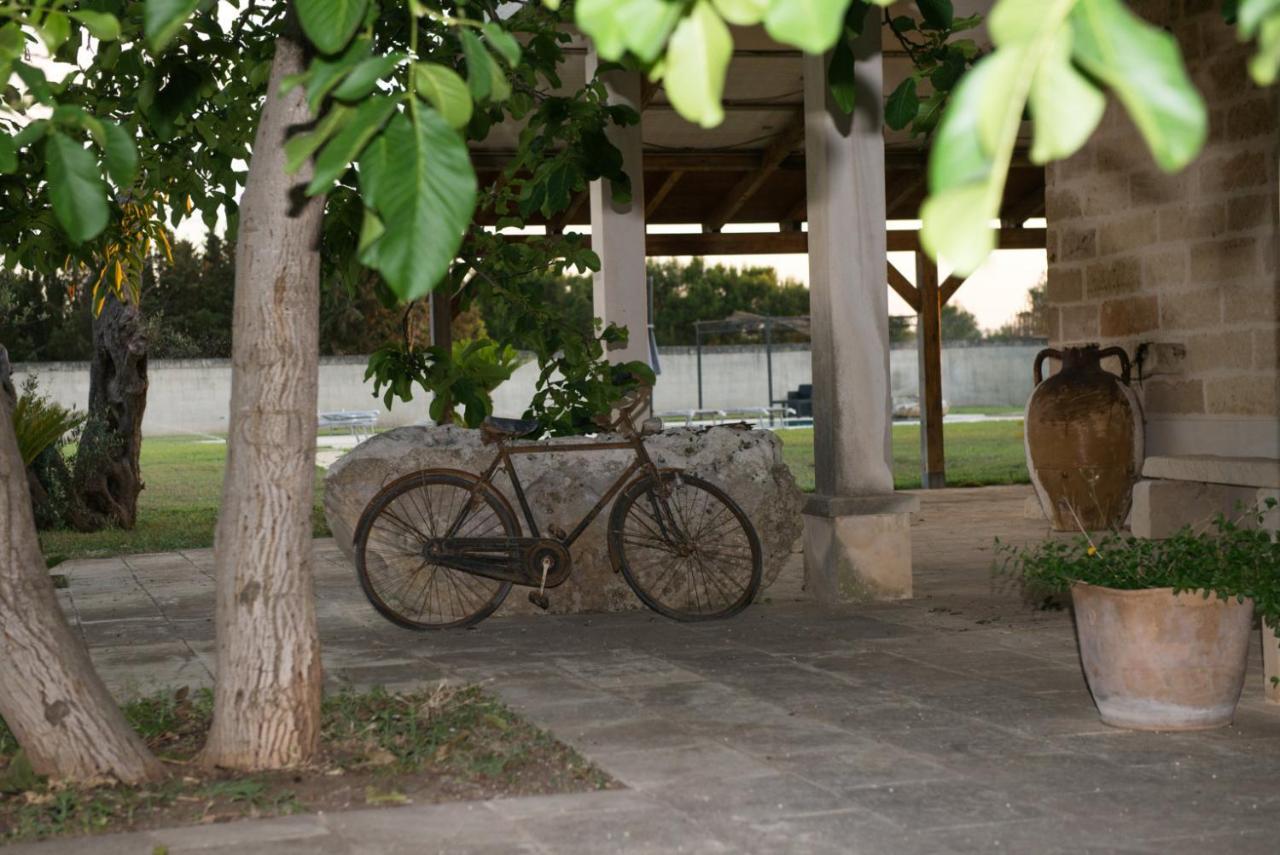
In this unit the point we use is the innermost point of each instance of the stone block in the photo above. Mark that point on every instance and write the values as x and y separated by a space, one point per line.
1077 244
1253 211
1225 259
1244 395
1113 277
1192 310
1078 323
1124 234
1128 316
1173 396
1253 118
1164 269
1218 351
1152 187
561 488
1179 222
1161 507
1251 304
1254 472
1233 171
1265 356
1065 285
857 557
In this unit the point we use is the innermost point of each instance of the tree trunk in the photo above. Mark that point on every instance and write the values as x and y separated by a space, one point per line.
267 696
51 698
107 475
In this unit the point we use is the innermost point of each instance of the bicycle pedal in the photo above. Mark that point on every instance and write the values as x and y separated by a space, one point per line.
542 601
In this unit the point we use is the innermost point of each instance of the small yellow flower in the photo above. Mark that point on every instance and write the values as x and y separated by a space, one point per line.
1093 550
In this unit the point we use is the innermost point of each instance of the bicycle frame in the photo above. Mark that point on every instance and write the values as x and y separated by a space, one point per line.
508 451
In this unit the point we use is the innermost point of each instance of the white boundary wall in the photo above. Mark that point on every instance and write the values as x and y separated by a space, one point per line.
191 396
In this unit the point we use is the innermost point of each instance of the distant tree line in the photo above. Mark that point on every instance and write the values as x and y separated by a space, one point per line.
187 306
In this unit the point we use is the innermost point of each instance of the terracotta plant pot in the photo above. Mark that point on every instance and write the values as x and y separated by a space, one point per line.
1156 660
1084 439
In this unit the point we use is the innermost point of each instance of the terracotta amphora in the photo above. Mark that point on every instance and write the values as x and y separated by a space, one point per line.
1084 439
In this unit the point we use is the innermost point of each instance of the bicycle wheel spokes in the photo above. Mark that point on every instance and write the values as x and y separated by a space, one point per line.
395 541
687 550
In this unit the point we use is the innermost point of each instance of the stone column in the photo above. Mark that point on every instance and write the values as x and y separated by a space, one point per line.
856 529
619 293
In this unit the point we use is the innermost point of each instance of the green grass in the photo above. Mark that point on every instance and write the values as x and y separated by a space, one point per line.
978 454
986 411
177 510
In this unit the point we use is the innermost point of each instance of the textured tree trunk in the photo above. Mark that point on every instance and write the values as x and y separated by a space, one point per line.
108 477
267 697
50 696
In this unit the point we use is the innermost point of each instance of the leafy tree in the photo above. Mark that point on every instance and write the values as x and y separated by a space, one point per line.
959 324
1030 322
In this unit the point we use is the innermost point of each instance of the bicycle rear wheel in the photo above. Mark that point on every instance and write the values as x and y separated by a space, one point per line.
685 547
391 545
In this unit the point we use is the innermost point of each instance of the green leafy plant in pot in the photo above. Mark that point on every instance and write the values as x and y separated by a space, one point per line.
1163 625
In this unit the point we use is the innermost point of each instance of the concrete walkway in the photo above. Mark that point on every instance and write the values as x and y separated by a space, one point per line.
956 722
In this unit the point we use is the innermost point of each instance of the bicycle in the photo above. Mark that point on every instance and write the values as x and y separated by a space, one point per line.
441 548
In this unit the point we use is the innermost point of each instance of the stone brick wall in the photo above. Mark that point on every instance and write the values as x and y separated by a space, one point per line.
1181 269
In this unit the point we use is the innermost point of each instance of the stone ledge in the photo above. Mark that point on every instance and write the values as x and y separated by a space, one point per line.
1210 469
831 507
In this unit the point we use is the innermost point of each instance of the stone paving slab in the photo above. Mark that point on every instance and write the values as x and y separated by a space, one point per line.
958 722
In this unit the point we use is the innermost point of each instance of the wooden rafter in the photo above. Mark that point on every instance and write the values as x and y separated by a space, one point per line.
906 191
1023 208
567 216
779 149
948 289
664 189
902 286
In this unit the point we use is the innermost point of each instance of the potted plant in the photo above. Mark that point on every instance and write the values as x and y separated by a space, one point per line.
1163 625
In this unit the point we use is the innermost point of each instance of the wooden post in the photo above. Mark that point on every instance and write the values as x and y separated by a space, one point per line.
929 341
442 329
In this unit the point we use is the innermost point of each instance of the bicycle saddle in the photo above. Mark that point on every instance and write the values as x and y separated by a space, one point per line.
493 429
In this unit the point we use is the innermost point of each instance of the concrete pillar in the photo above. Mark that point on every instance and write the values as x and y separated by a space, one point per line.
857 530
619 293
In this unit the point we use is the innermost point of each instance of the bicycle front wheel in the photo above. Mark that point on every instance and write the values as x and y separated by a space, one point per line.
686 548
392 548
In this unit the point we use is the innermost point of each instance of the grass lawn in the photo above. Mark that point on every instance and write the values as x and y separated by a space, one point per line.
978 454
177 510
183 475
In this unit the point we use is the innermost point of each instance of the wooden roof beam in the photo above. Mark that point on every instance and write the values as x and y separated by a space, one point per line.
664 189
902 286
781 147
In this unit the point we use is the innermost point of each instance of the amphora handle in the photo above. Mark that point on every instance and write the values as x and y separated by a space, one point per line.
1119 353
1040 358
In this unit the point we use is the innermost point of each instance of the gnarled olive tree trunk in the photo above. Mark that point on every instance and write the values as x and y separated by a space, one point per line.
51 698
267 696
107 477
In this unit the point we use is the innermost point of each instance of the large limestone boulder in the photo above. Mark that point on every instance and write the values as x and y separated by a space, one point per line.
561 488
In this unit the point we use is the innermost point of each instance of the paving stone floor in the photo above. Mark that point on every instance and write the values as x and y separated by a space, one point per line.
955 722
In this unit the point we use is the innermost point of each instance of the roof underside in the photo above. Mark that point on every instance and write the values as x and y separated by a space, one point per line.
750 169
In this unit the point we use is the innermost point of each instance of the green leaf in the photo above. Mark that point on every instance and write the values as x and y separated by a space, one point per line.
840 76
1264 66
600 20
12 42
19 776
957 156
1143 66
479 65
325 74
697 59
102 25
956 226
8 154
419 180
340 151
1250 15
330 24
445 90
742 13
162 19
75 187
54 30
119 154
499 86
302 146
811 25
902 106
365 76
502 42
1066 106
939 13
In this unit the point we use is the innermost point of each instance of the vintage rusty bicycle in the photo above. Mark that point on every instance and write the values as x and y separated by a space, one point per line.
441 548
